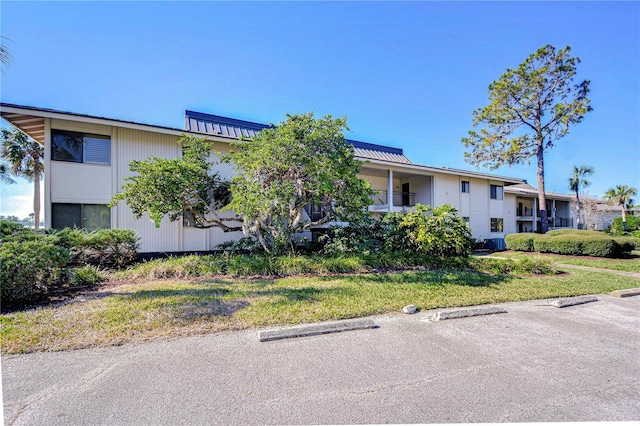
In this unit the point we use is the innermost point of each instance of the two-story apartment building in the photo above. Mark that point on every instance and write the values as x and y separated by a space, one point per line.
88 159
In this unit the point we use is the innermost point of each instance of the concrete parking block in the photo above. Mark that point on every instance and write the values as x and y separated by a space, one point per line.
468 312
626 293
315 329
572 301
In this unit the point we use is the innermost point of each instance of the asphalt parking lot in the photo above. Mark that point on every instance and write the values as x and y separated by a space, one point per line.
534 363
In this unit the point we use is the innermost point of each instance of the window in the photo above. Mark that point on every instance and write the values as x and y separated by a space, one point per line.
465 186
188 220
465 218
496 224
80 147
91 217
496 192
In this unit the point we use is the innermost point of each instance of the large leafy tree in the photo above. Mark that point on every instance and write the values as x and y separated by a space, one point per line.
621 196
24 157
577 181
531 107
177 186
303 161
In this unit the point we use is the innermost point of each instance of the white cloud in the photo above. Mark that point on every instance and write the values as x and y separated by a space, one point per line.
17 199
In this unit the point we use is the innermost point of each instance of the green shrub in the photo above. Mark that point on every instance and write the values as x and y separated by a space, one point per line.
362 237
243 245
113 247
573 242
438 231
520 242
574 232
86 275
116 247
633 224
529 265
561 244
600 246
28 268
11 231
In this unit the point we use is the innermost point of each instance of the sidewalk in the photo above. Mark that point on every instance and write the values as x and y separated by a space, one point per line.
592 269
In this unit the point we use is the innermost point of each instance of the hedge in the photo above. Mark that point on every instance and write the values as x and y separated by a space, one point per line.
572 242
520 242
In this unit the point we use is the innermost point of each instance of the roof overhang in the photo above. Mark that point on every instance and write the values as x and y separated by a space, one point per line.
428 170
31 121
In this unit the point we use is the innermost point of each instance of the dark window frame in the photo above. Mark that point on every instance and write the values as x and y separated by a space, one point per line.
465 186
81 155
82 214
496 192
497 224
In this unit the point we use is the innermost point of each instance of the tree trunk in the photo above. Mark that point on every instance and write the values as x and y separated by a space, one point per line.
577 211
624 217
36 193
542 198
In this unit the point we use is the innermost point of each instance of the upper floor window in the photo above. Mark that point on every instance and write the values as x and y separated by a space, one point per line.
497 192
80 147
465 186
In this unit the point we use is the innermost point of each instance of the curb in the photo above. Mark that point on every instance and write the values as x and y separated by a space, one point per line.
463 313
571 301
626 293
315 329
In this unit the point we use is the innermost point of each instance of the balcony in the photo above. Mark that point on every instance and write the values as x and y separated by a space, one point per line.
400 199
561 222
525 211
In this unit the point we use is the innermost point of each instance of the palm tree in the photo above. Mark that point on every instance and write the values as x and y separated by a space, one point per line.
620 196
24 157
577 181
4 174
5 55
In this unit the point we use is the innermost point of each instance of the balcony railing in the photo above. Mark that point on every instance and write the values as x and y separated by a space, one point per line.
561 222
525 211
400 199
315 211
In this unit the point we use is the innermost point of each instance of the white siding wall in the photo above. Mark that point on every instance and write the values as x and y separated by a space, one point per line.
509 209
479 209
78 182
447 190
139 145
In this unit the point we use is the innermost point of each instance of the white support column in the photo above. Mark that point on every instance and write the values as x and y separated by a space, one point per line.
553 213
47 173
535 214
390 191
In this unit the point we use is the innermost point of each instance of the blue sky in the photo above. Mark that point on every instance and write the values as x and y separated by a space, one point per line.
407 75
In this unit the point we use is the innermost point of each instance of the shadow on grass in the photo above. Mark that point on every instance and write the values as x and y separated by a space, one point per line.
428 278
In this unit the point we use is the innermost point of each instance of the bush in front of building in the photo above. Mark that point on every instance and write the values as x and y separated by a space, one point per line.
616 228
435 231
520 242
32 263
106 247
572 242
29 268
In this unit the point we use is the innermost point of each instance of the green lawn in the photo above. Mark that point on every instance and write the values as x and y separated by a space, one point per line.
167 308
629 265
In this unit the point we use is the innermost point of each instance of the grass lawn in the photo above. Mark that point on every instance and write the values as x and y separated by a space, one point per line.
157 309
630 265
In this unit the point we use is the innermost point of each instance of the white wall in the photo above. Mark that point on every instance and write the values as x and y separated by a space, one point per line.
476 204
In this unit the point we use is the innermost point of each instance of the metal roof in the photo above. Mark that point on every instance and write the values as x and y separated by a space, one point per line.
528 190
217 125
31 120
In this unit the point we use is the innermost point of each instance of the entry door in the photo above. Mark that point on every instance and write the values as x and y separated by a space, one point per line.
406 199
